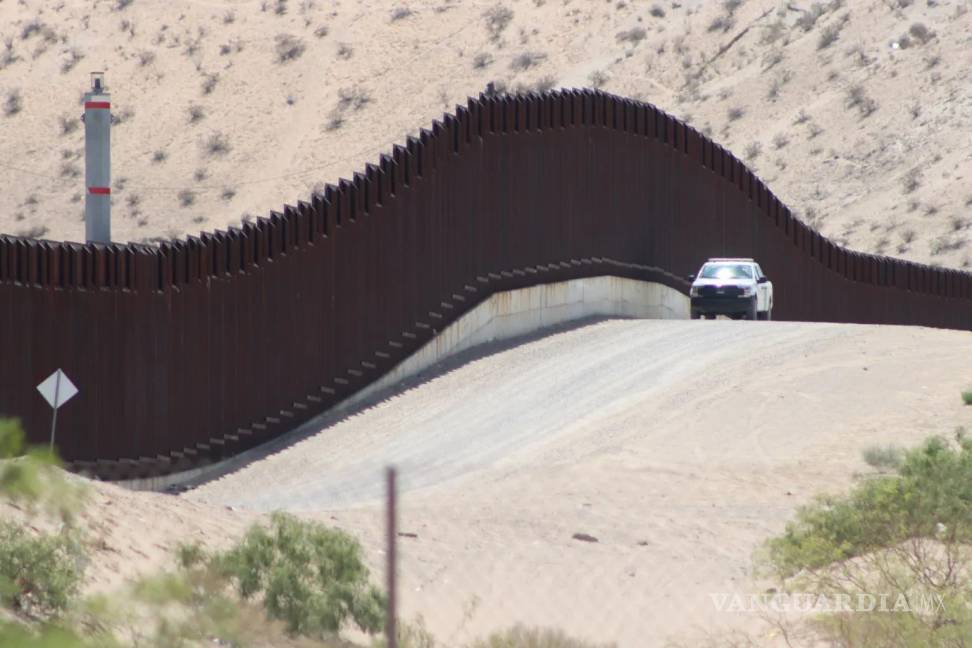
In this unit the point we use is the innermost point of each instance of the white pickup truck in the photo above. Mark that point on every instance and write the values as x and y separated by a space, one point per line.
733 287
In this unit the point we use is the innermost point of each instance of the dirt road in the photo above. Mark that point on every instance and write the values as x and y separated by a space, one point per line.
679 445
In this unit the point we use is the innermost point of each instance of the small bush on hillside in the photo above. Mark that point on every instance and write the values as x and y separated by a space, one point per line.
288 48
857 98
196 113
482 60
921 33
72 57
209 83
912 180
497 19
13 104
967 397
598 78
401 13
657 12
354 98
145 57
808 19
34 232
634 35
722 23
309 576
544 84
217 144
69 124
526 60
829 36
522 637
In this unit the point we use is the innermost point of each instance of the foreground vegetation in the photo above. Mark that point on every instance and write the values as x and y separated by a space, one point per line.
898 548
288 583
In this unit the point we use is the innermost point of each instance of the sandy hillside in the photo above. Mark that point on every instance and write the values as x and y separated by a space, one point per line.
857 112
680 446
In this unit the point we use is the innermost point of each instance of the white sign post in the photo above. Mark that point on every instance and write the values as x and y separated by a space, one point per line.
57 389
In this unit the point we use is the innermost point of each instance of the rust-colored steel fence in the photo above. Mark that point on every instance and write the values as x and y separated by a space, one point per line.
194 350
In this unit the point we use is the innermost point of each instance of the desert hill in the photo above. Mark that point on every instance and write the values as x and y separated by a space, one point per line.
858 113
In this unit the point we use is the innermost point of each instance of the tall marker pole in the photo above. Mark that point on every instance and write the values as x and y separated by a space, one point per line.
97 161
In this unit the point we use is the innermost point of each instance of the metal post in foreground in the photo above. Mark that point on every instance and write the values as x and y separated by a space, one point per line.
97 161
391 632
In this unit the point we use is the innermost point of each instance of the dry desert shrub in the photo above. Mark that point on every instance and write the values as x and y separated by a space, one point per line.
216 144
482 60
196 113
634 35
401 13
13 103
497 19
857 98
527 60
598 78
921 33
288 48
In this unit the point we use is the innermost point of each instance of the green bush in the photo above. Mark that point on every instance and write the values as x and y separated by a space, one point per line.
30 474
907 534
883 457
311 577
16 636
967 397
932 490
522 637
39 575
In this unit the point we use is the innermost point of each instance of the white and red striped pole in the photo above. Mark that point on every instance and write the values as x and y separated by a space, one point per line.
97 161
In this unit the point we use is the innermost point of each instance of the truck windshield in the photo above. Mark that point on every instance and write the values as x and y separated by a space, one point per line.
726 271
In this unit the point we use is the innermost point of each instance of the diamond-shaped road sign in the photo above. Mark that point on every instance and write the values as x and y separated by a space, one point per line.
57 389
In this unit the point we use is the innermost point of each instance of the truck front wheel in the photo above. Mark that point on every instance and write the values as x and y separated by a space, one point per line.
753 313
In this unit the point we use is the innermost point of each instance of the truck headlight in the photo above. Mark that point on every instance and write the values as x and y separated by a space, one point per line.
747 291
694 291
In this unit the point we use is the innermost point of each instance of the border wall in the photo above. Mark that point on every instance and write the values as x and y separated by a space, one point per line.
194 350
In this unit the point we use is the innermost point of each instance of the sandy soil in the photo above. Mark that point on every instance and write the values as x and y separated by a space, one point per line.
680 446
869 140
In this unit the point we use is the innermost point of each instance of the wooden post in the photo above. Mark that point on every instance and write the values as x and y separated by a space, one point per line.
391 632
